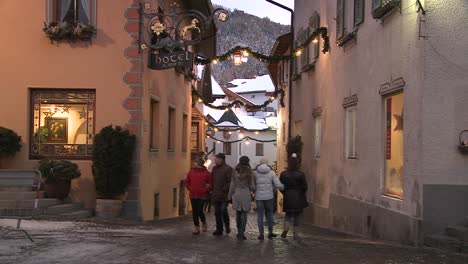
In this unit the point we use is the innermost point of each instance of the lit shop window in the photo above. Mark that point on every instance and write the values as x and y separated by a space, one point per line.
62 123
394 145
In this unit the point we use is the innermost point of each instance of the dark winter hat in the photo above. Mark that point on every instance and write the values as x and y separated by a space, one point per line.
221 156
244 160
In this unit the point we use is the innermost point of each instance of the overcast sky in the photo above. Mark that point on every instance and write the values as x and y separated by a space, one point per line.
261 8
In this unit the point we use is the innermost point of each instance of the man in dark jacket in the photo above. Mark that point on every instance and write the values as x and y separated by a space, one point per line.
221 174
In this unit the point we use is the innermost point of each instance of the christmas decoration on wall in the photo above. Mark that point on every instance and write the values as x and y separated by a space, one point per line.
246 138
196 97
320 32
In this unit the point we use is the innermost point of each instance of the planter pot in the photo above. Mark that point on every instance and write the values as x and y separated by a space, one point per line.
59 189
107 208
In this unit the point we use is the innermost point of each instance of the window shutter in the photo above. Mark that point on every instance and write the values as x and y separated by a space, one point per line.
376 4
314 23
305 52
358 12
340 19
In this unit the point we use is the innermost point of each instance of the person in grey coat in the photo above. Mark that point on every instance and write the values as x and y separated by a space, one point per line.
241 193
265 182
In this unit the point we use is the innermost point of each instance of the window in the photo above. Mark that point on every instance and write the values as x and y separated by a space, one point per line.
227 148
350 135
382 7
240 148
62 123
259 149
194 146
154 127
184 132
71 11
318 135
174 197
394 145
156 205
171 130
314 24
346 24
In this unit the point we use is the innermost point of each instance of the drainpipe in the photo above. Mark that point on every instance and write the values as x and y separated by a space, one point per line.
290 63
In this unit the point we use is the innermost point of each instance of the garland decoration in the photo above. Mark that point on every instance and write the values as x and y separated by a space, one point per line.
320 32
216 129
248 138
196 97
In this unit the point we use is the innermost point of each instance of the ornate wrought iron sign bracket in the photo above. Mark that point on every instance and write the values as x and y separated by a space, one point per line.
167 36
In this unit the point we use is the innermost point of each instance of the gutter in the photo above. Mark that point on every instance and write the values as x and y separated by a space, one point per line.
290 63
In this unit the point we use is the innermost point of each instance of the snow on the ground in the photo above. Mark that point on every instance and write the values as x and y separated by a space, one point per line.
37 225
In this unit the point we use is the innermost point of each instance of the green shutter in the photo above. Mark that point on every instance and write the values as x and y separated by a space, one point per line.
358 12
340 19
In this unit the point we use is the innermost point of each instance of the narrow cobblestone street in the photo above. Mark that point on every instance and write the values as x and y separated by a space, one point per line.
170 241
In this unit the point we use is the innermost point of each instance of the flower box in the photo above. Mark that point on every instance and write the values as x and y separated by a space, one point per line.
69 32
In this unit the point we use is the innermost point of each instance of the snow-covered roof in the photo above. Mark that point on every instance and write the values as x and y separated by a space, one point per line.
215 88
247 122
259 84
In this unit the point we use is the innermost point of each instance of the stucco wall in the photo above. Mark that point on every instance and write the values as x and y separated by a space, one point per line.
445 93
29 60
382 52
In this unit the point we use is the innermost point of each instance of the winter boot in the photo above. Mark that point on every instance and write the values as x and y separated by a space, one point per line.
196 230
204 227
285 229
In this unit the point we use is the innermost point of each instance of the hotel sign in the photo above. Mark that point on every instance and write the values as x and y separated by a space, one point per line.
163 60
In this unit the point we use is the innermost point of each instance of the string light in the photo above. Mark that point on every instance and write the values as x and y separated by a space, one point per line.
216 129
215 61
256 132
315 40
247 142
200 100
272 98
298 52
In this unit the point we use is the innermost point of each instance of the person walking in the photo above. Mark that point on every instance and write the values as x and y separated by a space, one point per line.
265 182
199 183
241 192
222 174
294 200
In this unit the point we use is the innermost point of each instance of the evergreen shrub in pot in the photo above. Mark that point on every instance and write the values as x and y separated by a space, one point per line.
112 168
10 142
57 175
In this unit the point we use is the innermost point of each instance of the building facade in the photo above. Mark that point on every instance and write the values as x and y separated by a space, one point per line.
57 94
380 115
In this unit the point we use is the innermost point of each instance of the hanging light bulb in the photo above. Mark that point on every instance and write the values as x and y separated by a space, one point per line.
215 61
315 40
256 132
298 52
247 142
241 135
200 100
216 129
218 142
230 133
272 98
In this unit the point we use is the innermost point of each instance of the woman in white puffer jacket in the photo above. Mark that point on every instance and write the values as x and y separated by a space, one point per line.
265 180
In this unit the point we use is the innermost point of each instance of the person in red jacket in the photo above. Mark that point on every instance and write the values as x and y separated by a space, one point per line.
199 184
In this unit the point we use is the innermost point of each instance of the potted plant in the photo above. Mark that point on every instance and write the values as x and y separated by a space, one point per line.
10 142
57 175
112 168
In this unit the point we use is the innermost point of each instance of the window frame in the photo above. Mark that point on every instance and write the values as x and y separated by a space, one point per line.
317 135
185 132
36 149
350 140
171 129
227 148
259 152
154 125
52 12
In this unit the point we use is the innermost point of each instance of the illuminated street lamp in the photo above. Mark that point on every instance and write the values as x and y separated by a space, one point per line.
237 57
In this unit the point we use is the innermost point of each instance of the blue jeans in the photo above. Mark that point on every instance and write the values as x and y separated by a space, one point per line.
221 214
262 207
292 216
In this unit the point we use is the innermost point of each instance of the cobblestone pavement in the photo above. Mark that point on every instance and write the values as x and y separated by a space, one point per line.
170 241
